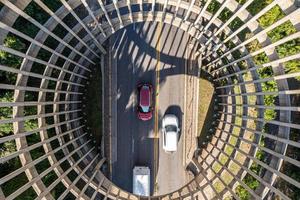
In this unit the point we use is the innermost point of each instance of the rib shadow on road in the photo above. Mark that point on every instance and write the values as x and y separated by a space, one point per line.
135 52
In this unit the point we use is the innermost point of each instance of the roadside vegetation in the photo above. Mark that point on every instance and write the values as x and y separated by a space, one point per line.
93 97
205 110
286 49
8 147
93 106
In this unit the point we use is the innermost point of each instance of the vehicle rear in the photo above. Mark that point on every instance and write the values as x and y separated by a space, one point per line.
170 142
141 181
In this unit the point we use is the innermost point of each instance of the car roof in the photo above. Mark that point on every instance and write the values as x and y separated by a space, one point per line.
171 141
145 96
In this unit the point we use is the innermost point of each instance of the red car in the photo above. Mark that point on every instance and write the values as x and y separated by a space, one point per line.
145 108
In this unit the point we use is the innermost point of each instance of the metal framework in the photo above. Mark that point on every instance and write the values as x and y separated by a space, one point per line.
240 131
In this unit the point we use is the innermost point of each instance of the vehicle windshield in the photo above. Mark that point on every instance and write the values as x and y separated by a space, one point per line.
145 109
171 128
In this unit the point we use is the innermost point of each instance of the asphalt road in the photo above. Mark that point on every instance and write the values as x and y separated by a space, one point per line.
141 55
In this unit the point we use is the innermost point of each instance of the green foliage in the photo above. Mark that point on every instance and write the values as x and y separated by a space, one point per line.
33 123
9 166
29 194
31 30
9 59
258 5
229 198
53 4
242 193
289 48
251 182
271 17
49 178
293 66
291 170
13 61
213 7
253 46
230 44
6 129
255 167
58 190
281 31
235 24
269 100
268 86
13 184
269 114
261 59
265 72
225 14
36 12
7 148
44 55
14 43
5 113
33 139
241 1
37 152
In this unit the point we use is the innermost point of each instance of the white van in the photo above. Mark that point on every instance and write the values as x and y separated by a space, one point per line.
141 181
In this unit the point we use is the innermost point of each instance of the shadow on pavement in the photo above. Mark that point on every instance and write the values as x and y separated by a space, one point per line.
135 59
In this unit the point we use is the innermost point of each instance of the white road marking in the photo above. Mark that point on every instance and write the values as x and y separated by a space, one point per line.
134 102
132 149
131 101
184 109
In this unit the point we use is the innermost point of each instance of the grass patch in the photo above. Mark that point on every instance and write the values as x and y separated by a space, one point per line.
205 113
219 186
216 167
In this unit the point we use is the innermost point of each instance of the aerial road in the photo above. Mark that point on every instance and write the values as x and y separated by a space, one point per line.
153 53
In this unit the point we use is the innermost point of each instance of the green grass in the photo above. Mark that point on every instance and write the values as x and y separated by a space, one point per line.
216 167
219 186
205 113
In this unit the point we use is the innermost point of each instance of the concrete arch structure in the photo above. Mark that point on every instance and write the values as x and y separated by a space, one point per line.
240 91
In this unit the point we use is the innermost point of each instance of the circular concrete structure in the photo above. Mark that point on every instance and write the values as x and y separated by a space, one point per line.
256 129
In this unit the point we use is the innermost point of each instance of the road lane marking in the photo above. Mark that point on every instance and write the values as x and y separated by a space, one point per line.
184 106
132 145
110 110
156 129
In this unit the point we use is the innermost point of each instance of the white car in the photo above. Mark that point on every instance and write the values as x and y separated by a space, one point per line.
170 131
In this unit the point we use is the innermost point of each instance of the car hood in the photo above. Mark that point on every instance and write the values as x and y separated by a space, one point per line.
171 141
